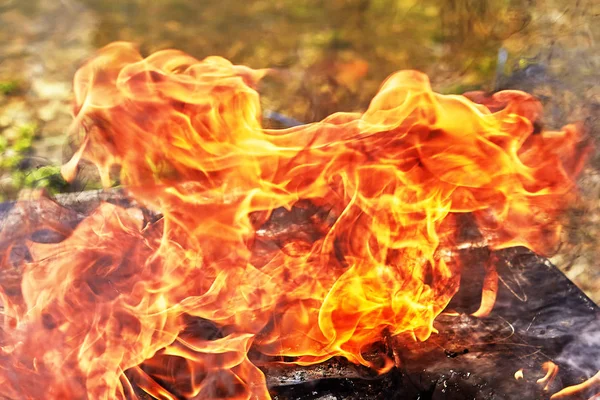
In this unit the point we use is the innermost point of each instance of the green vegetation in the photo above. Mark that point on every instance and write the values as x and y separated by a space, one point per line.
13 164
12 154
48 177
9 87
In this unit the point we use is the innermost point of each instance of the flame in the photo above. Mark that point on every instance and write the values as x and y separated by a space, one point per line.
519 374
490 289
551 371
576 391
113 304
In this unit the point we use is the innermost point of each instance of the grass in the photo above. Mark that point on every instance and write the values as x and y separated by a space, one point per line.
9 87
13 157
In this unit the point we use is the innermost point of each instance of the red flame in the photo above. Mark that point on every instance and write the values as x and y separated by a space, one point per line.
187 135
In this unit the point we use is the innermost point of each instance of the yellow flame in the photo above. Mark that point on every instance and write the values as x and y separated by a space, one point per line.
519 374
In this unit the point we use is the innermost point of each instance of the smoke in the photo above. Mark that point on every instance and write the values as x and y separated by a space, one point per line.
582 354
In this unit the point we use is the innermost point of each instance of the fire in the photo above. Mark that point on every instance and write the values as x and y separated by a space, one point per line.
519 374
551 372
112 304
592 384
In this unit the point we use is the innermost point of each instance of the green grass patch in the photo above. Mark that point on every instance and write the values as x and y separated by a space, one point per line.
48 177
9 87
12 156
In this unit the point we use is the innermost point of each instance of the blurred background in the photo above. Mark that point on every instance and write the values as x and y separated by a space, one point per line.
335 53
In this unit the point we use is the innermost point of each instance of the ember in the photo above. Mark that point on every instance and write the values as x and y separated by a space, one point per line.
190 303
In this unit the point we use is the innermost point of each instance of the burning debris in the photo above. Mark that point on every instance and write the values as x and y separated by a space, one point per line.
268 247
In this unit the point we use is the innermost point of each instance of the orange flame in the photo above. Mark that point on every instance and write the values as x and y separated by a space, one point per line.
575 391
551 371
108 306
